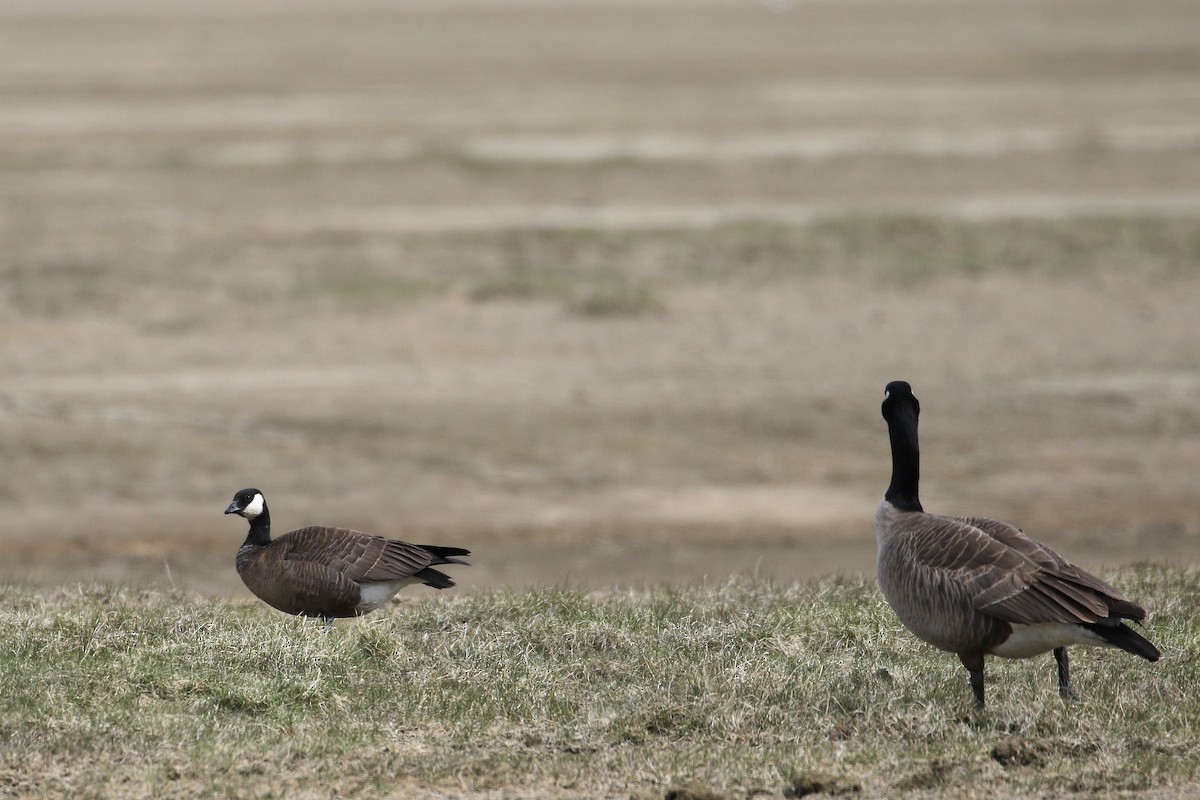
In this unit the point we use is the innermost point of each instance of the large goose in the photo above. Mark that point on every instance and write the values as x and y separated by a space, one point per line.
978 587
330 572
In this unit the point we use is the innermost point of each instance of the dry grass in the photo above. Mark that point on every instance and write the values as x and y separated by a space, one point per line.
736 689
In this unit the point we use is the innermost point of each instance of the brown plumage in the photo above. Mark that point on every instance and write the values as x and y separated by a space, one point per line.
330 572
977 587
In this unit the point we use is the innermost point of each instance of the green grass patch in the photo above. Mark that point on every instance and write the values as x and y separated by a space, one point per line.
631 272
740 687
360 286
519 281
617 298
590 272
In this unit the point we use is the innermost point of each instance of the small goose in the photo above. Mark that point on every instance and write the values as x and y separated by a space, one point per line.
330 572
978 587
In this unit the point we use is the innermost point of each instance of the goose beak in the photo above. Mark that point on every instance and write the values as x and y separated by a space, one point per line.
233 508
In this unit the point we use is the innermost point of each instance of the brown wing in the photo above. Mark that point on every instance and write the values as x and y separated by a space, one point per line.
1083 596
318 588
1015 578
1015 538
357 556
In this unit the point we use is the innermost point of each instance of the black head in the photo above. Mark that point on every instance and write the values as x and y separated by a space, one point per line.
249 503
896 395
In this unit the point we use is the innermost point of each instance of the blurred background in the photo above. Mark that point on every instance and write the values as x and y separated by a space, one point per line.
606 291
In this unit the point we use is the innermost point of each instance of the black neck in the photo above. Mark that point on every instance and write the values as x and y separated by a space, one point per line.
906 459
260 529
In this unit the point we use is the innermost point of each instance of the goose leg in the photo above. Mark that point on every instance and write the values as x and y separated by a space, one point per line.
974 664
1064 674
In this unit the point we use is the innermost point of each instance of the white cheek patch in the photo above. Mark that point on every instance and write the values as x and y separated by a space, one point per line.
253 508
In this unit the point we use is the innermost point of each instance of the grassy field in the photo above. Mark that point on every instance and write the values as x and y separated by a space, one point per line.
606 292
739 689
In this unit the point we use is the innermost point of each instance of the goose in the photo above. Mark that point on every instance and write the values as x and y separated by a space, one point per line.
330 572
977 587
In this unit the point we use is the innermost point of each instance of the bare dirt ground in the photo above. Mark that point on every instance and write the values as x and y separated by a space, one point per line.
606 292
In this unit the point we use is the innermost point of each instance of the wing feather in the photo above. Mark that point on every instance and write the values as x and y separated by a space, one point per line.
1012 577
356 555
317 585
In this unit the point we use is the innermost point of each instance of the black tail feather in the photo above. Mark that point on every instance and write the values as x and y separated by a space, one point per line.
441 555
1125 638
444 555
434 578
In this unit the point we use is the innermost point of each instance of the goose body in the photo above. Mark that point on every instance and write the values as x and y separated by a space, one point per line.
974 586
330 572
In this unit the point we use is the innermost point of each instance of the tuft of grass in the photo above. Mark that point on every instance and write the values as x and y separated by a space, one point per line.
733 689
